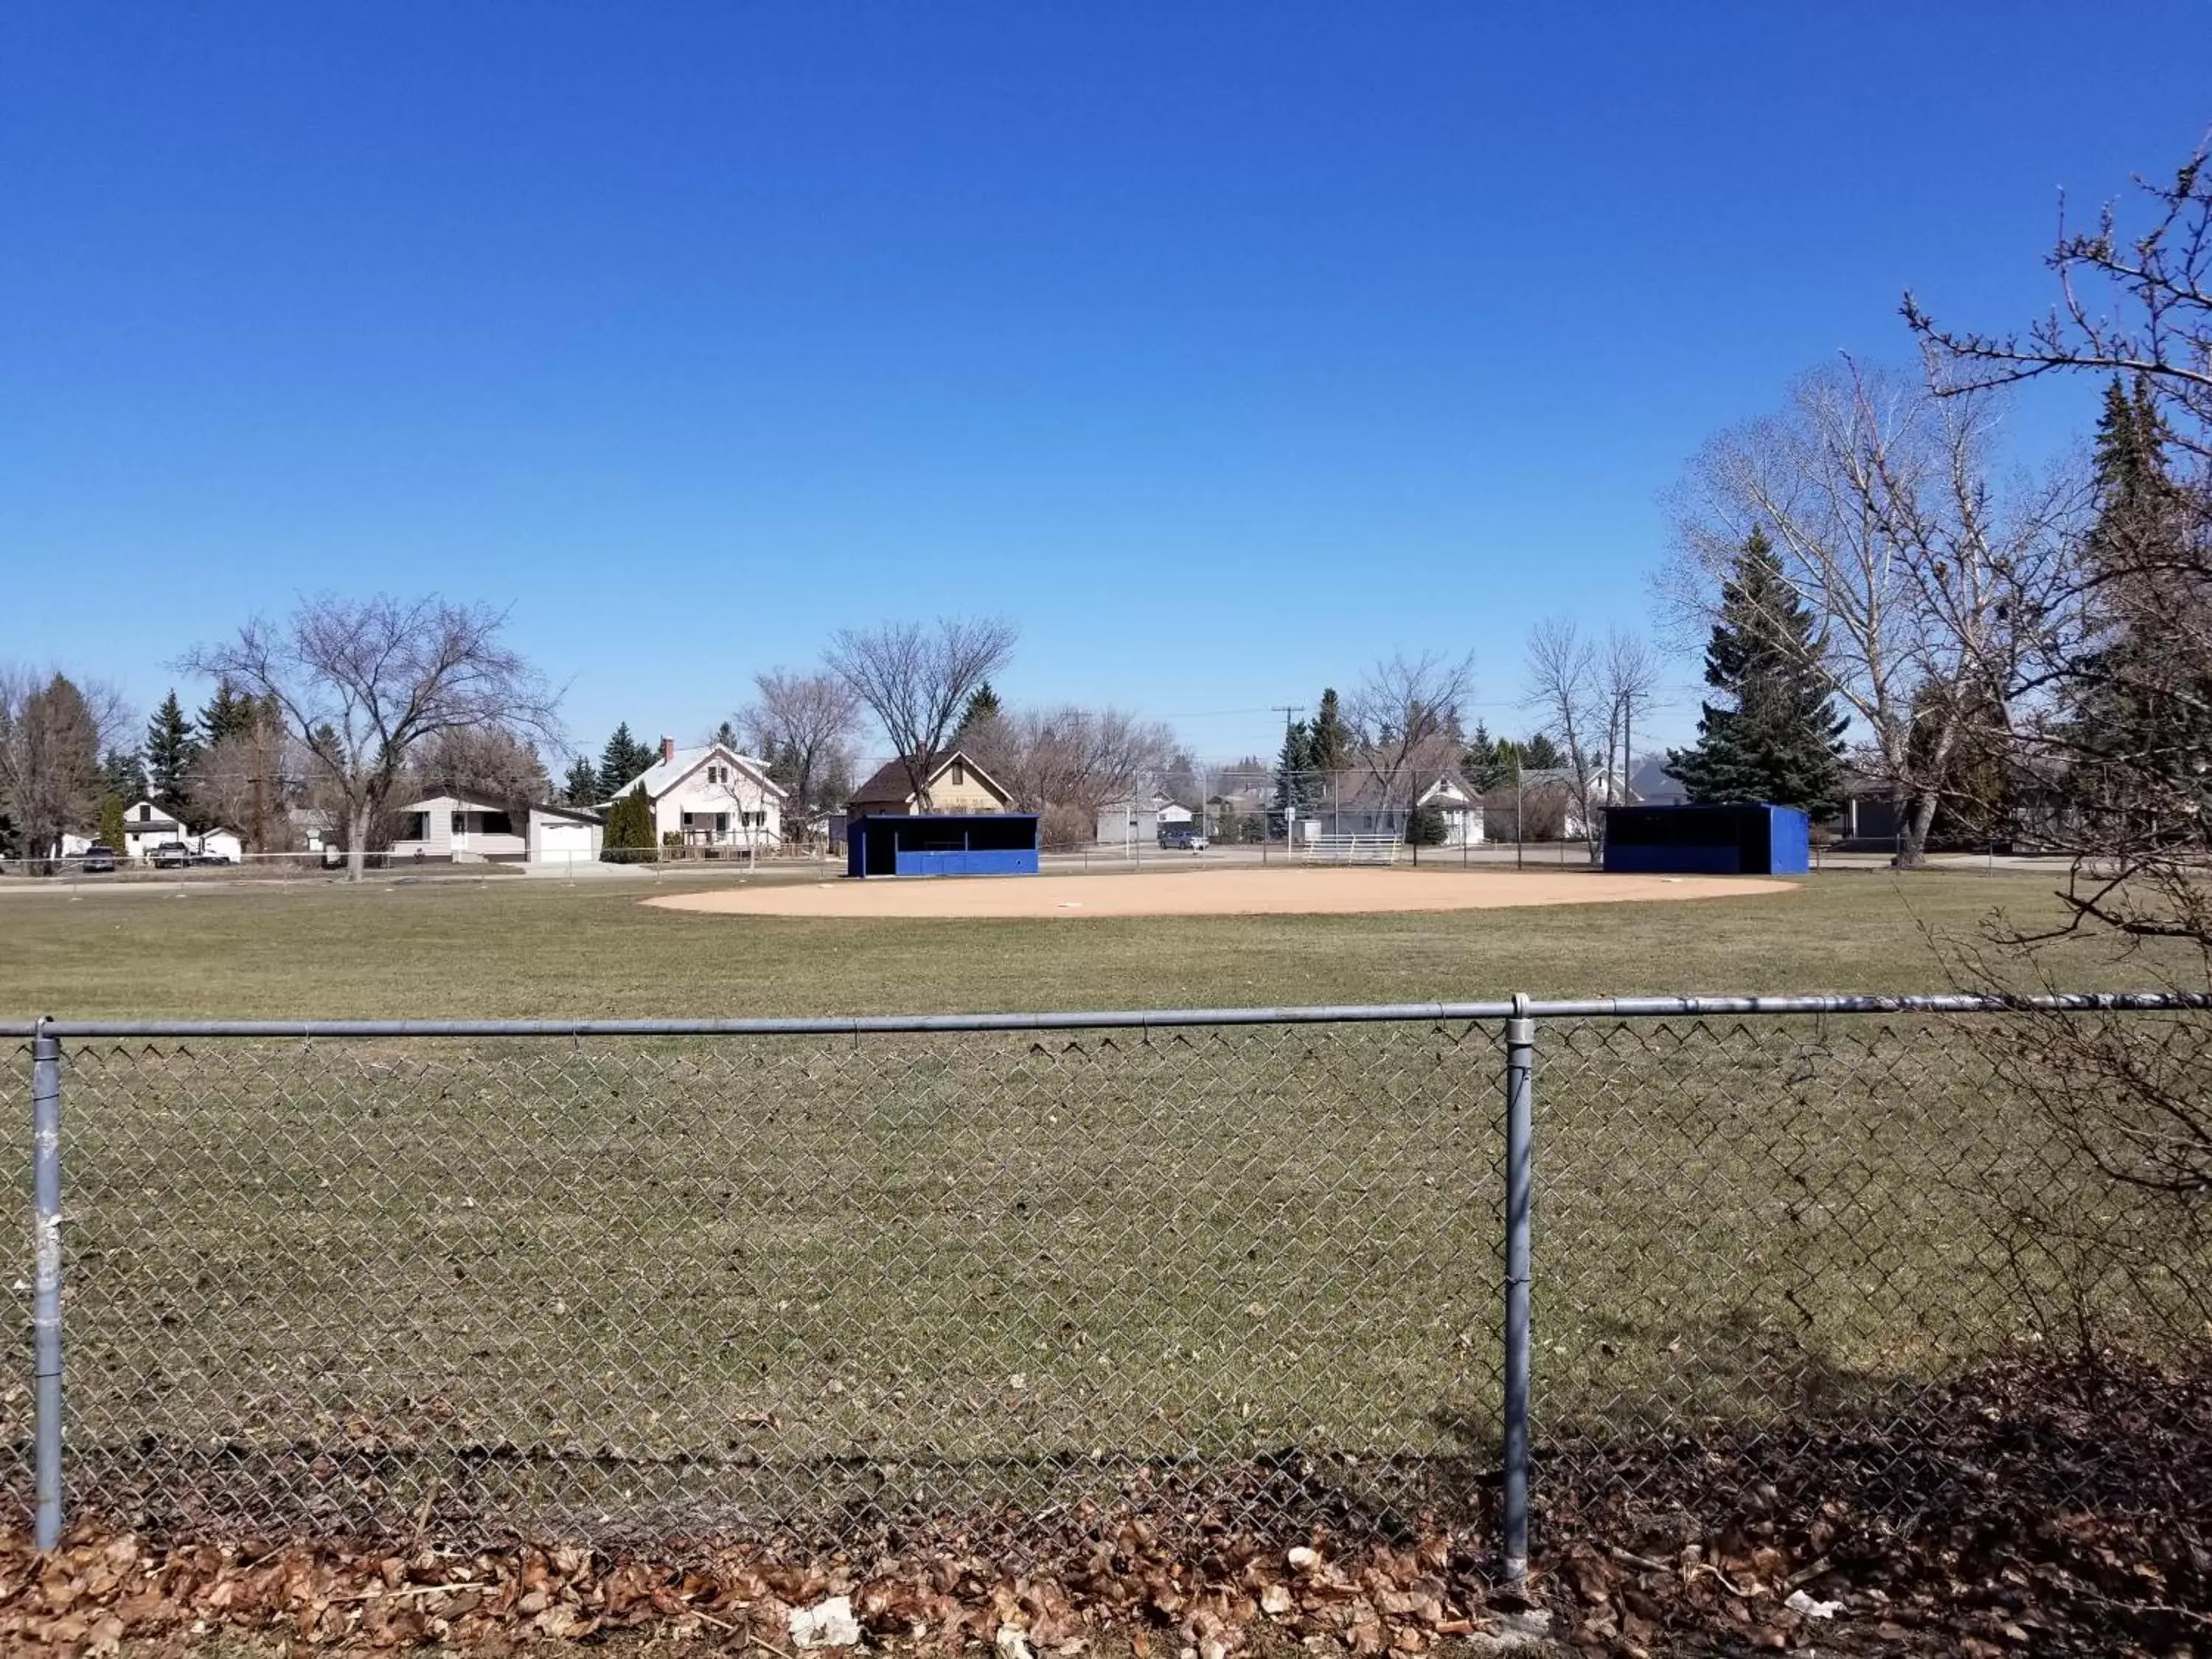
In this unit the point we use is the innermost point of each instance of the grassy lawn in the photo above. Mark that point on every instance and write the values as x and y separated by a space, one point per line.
650 1287
540 949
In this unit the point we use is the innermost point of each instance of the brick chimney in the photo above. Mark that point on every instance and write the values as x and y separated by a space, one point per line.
668 752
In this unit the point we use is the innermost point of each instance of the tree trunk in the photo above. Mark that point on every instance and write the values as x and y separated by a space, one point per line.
356 841
1912 832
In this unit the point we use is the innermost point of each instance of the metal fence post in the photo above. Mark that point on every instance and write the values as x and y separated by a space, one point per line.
1520 1183
46 1309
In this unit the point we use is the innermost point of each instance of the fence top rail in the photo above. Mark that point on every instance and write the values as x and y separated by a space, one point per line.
1646 1007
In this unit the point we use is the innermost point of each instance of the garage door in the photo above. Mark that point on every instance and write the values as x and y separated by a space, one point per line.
557 842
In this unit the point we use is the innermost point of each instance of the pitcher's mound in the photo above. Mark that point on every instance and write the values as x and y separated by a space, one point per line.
1299 891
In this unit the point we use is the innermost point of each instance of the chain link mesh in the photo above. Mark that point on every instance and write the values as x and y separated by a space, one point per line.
1800 1229
667 1288
706 1287
16 1404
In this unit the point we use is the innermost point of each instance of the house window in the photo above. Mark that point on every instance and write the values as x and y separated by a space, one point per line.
958 775
460 824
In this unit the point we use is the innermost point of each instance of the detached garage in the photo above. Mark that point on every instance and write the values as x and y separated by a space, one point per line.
563 835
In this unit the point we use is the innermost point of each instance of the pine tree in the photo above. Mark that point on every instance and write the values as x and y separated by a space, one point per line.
1294 782
120 775
1328 743
1489 762
1540 754
171 754
2137 701
1781 741
1425 826
983 708
226 715
582 787
628 837
623 759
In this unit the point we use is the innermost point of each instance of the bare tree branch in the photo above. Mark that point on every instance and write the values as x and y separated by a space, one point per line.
361 684
916 680
809 718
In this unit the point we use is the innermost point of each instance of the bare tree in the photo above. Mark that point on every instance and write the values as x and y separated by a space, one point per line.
2111 731
2132 305
1629 682
52 731
1067 762
808 721
1877 495
916 681
484 764
1567 688
248 776
360 684
1408 713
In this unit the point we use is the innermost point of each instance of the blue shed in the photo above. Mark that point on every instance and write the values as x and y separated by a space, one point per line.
1747 839
943 844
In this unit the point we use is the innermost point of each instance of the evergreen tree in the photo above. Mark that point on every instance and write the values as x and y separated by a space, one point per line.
726 735
983 708
111 823
582 787
1295 780
1781 741
120 775
630 837
1539 754
226 715
2136 700
623 759
1489 762
1328 743
1425 827
171 754
783 765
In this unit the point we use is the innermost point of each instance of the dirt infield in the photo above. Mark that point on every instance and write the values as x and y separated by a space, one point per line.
1284 892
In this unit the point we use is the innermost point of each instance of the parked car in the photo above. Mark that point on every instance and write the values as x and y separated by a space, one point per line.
98 860
210 858
169 855
1182 838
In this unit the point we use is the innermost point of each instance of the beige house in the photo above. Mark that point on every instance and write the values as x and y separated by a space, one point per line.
956 784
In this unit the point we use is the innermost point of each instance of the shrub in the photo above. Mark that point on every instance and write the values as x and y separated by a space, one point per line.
630 837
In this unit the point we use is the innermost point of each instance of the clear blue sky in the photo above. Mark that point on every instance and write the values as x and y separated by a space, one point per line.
1224 347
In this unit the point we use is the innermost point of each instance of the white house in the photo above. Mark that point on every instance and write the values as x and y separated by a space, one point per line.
226 844
1129 819
711 796
1361 807
145 826
468 831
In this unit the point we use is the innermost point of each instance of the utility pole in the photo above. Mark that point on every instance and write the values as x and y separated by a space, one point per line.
1288 711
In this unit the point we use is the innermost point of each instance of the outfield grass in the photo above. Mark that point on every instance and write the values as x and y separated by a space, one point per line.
535 949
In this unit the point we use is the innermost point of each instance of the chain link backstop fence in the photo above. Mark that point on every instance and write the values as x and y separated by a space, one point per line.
668 1280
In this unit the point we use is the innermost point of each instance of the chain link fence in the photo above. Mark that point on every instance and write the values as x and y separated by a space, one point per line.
816 1279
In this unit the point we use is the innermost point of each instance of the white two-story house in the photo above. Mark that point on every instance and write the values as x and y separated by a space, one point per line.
711 796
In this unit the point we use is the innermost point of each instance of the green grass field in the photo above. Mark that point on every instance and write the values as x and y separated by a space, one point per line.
533 949
655 1286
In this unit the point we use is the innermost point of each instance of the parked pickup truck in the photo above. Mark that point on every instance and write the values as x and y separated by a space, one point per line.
169 855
